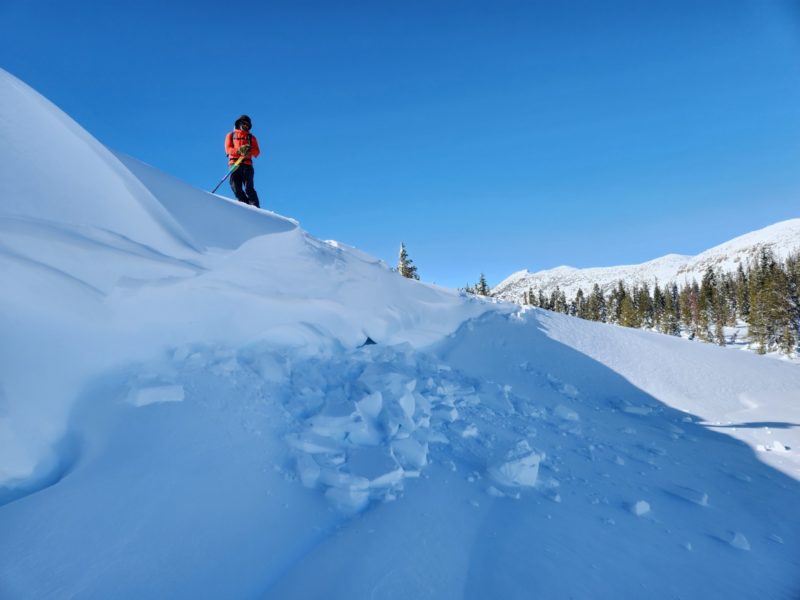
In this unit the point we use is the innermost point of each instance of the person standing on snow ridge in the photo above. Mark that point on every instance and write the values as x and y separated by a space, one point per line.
240 142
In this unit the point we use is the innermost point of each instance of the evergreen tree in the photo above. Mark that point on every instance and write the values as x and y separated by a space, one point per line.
741 293
580 308
644 307
628 315
712 315
406 266
596 305
659 306
482 288
615 299
670 322
542 300
533 301
676 305
558 300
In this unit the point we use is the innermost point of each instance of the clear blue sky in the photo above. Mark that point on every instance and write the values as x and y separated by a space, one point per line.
488 136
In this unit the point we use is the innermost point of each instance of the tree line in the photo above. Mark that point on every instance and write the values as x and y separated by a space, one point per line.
764 295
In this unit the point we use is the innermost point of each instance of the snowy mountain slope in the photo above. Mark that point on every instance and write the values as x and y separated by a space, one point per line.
95 279
782 238
185 412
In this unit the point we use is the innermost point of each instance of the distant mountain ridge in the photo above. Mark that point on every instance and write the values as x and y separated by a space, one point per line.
782 238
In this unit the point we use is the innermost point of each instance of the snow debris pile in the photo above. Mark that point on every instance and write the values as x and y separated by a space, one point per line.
370 419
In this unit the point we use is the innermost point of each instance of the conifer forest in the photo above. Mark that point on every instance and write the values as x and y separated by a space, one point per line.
762 296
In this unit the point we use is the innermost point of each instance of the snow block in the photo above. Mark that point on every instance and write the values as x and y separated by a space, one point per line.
410 453
565 413
308 470
640 508
688 494
156 395
369 407
521 469
736 539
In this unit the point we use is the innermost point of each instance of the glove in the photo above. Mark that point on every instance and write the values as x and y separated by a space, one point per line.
243 150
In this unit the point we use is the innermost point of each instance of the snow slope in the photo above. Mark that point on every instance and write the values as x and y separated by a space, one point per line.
782 238
187 410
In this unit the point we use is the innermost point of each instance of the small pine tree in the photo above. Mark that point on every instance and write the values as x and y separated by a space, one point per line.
406 266
482 288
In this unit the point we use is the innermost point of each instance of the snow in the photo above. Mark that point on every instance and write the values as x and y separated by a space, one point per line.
782 238
187 410
640 508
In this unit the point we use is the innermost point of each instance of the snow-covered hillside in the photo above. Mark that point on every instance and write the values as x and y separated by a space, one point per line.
187 410
782 238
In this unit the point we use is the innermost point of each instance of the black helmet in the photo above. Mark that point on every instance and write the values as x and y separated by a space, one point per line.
243 119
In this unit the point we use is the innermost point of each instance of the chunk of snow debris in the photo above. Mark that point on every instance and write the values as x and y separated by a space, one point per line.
470 400
369 407
331 427
566 413
520 469
774 446
269 367
376 465
639 508
638 410
410 453
688 494
311 443
347 500
620 461
776 538
408 404
736 539
336 478
493 491
363 433
307 470
688 546
157 395
470 431
437 437
390 479
446 414
569 390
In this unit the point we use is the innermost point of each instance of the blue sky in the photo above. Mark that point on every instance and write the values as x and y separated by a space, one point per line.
488 136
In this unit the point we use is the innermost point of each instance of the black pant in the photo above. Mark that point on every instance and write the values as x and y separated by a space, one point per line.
243 178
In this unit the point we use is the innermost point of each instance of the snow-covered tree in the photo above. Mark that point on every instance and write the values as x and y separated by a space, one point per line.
406 266
482 288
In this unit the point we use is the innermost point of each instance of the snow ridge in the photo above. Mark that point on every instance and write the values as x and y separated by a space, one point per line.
781 238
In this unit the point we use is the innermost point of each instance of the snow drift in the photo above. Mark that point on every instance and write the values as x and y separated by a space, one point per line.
187 410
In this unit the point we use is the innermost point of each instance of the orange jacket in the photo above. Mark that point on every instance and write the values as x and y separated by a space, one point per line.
235 140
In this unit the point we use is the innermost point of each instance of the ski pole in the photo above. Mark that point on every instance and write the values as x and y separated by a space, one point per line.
234 166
